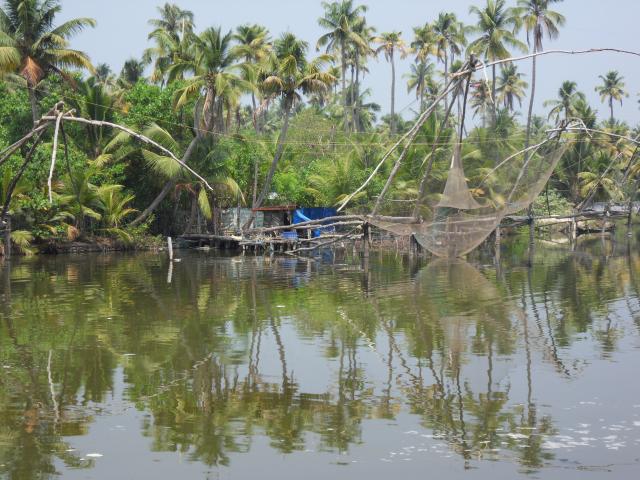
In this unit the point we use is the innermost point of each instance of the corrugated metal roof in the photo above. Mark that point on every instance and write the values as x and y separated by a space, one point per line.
276 208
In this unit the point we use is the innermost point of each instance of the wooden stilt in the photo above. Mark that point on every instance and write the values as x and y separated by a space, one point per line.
365 241
7 237
170 248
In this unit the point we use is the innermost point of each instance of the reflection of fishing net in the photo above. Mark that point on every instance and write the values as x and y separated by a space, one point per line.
463 218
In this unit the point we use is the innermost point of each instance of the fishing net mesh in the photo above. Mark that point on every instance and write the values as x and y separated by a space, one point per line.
464 216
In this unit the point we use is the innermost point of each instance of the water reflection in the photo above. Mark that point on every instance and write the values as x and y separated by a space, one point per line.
310 355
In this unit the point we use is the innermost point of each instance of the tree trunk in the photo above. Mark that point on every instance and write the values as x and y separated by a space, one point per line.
209 109
530 114
344 86
165 190
356 95
393 94
611 108
446 79
274 164
493 95
253 113
531 100
35 110
192 214
255 180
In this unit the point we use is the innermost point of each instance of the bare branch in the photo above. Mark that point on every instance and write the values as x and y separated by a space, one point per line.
139 137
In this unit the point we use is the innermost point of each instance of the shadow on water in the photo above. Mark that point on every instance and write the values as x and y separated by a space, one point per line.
309 354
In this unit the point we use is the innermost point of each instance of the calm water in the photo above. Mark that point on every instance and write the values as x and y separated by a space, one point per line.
251 367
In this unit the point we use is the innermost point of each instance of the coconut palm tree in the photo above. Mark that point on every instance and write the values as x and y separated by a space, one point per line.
213 67
104 74
481 100
511 86
254 46
612 88
390 44
288 76
360 52
33 46
424 43
450 36
495 27
424 46
365 110
565 105
339 19
539 22
93 100
418 78
171 33
132 71
173 20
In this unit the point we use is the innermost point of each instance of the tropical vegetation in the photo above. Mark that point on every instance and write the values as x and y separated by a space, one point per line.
268 118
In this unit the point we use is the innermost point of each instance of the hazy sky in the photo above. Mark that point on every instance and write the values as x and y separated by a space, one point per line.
122 33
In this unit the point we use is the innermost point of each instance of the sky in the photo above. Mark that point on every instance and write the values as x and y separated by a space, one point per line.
122 32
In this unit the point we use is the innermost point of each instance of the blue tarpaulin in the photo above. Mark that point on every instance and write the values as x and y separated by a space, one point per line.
315 213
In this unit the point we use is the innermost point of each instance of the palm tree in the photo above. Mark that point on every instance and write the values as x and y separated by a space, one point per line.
612 88
95 102
213 68
288 77
171 33
254 46
539 21
132 71
424 46
495 26
511 86
340 18
390 43
424 43
31 45
418 78
360 51
103 73
450 38
481 100
565 105
173 20
365 111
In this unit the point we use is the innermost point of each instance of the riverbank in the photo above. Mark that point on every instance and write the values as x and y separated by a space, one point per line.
85 245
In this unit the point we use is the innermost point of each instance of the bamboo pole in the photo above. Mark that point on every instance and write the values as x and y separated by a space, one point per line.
137 136
313 223
170 248
54 154
475 68
7 236
349 236
418 124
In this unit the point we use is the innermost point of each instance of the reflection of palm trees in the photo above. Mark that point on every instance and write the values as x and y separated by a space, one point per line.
207 393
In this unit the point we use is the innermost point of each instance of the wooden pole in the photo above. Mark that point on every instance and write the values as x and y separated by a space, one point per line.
170 248
7 237
365 241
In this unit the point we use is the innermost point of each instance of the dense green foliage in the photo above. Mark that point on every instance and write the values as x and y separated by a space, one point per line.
263 121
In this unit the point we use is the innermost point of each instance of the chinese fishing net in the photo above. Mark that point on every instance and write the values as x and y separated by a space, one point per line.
464 217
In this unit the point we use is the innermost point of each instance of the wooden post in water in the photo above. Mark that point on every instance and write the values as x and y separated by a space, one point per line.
365 241
170 248
497 245
7 236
